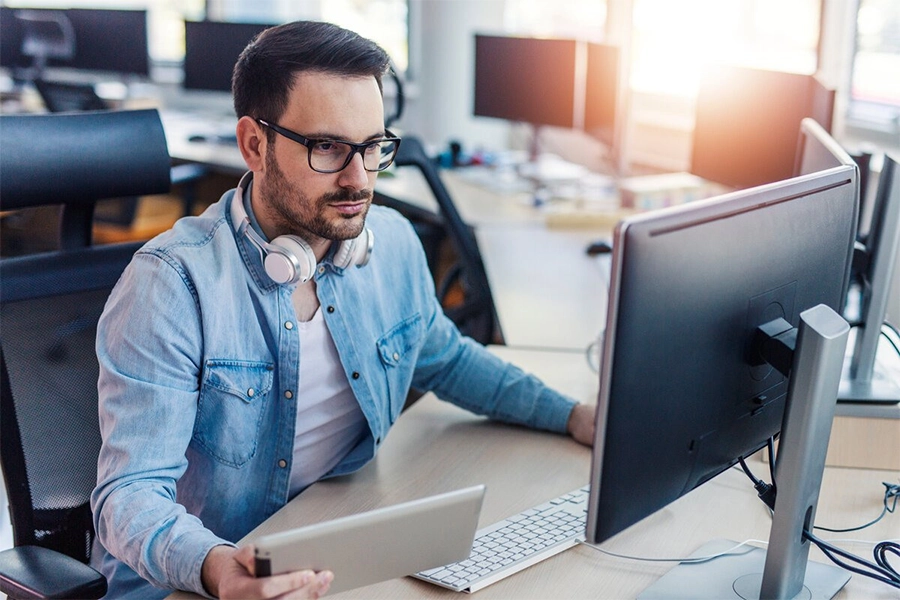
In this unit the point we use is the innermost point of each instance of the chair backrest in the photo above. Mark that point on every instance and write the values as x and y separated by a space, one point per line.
64 96
80 158
476 316
49 306
49 433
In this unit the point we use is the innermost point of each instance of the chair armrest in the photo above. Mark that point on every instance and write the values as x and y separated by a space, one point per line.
34 572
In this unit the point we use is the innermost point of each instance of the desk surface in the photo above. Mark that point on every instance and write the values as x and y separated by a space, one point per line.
436 447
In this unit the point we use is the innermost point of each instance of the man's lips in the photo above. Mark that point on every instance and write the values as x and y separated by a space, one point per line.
348 208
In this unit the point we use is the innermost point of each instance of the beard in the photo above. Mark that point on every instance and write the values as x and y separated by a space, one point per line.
295 213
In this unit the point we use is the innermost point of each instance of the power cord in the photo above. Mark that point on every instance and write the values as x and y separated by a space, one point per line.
881 570
691 560
891 497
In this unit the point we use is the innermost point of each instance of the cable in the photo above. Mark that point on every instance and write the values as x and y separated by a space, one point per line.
891 491
889 339
880 570
689 560
770 445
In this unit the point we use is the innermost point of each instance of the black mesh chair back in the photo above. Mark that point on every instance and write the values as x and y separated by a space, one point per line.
50 303
475 316
49 434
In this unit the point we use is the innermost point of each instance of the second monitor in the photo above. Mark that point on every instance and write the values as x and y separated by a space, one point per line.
211 49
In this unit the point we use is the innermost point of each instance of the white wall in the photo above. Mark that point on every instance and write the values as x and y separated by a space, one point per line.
442 50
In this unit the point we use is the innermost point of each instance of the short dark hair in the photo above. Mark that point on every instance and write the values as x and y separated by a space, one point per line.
265 70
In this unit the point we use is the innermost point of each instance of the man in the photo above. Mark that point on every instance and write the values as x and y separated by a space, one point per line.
244 356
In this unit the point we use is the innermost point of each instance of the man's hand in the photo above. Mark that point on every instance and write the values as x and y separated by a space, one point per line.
228 573
581 423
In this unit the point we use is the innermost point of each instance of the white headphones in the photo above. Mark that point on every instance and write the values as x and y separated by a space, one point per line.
288 259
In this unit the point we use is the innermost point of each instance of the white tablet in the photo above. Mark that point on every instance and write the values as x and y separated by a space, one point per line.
381 544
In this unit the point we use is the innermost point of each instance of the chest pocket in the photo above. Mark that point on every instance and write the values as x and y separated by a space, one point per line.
233 397
398 349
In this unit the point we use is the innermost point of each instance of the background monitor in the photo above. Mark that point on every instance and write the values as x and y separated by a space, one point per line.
682 394
531 80
11 40
864 378
748 122
602 90
211 49
105 40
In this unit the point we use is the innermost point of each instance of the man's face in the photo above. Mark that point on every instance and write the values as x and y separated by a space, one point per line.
320 206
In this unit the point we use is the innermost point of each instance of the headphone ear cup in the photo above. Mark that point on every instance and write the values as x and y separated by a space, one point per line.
289 259
355 251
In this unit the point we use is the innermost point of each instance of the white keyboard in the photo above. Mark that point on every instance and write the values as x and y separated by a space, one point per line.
515 543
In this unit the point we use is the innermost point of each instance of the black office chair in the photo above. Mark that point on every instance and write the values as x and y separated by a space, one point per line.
49 306
64 96
476 315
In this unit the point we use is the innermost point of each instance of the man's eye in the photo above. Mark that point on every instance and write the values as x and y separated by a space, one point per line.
327 147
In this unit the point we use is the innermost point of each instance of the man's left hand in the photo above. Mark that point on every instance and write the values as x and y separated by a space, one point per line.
581 423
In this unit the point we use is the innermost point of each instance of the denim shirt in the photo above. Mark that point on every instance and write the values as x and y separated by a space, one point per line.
199 364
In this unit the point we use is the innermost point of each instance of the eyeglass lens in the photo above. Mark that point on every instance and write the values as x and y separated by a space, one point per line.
334 156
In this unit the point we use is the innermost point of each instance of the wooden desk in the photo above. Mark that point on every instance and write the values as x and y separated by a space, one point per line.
437 447
548 292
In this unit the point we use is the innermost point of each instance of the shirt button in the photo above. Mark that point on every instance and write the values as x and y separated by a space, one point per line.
250 392
330 309
321 269
396 356
288 325
355 375
282 463
288 394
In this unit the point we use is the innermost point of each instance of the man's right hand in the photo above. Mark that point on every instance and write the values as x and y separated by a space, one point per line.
228 573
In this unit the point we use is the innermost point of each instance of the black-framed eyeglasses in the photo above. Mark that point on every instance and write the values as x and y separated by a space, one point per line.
331 156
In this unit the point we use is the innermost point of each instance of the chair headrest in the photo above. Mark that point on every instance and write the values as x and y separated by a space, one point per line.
80 158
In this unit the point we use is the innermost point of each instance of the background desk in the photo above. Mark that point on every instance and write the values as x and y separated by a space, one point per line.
437 447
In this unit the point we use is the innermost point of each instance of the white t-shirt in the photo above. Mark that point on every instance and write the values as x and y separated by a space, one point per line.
329 420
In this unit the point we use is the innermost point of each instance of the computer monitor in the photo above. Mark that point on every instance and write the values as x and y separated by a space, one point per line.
211 49
864 378
109 40
684 390
602 93
538 81
105 40
748 120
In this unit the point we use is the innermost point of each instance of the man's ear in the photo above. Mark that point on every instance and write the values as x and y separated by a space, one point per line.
251 140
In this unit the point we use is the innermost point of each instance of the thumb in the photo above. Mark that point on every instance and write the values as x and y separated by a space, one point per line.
245 556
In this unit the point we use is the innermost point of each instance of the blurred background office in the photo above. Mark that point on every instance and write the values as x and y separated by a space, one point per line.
163 53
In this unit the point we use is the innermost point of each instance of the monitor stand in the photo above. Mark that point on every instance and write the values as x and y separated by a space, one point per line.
783 571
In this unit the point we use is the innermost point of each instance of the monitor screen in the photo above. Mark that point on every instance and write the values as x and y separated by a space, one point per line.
864 379
748 122
531 80
682 398
602 92
105 40
11 40
109 40
211 49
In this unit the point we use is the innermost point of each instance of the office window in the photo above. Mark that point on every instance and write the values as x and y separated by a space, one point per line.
573 19
385 21
672 41
874 96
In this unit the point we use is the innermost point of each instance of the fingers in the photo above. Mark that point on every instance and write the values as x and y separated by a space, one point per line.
298 585
317 586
